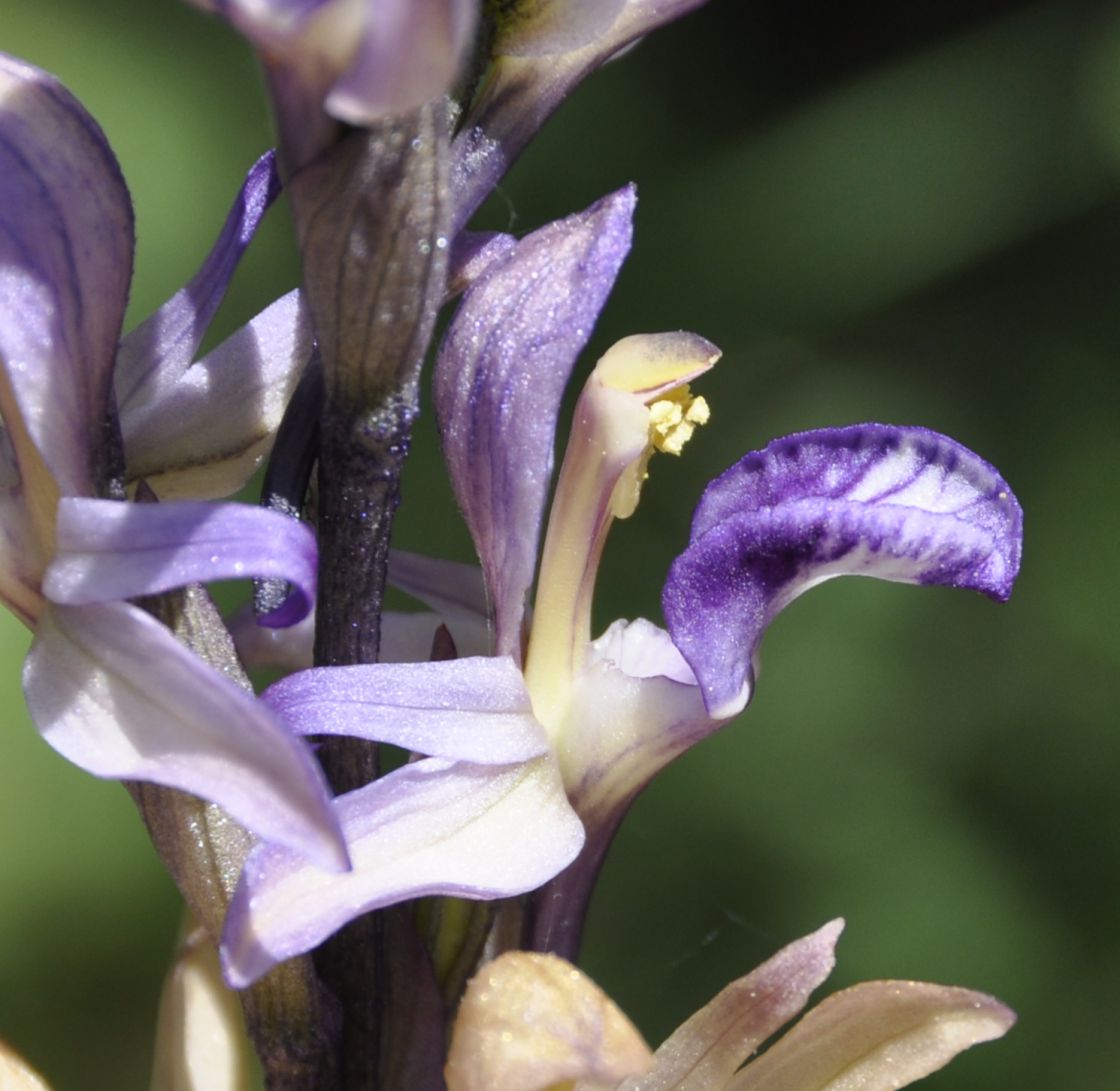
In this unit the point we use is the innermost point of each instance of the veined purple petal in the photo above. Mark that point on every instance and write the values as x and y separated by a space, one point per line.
901 504
707 1050
176 441
473 710
66 240
108 550
114 692
522 92
499 377
432 827
154 356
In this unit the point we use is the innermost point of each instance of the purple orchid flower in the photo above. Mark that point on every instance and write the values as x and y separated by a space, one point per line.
897 503
108 686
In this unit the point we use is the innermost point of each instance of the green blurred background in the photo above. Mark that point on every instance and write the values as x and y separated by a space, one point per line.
906 213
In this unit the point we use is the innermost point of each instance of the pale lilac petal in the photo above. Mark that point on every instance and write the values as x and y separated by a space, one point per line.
182 448
452 589
430 828
707 1050
522 92
410 52
499 377
66 239
153 357
473 710
877 1036
114 692
474 253
108 550
901 504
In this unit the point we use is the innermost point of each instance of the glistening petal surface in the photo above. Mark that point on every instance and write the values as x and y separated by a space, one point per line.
466 709
502 368
877 1036
114 692
901 504
432 827
66 239
110 550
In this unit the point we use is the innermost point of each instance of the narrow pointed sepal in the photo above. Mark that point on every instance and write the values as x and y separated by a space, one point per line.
530 1020
115 693
708 1049
900 504
155 354
877 1036
500 374
109 550
430 828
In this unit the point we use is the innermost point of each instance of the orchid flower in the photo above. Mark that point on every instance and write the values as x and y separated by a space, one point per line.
603 715
107 685
531 1021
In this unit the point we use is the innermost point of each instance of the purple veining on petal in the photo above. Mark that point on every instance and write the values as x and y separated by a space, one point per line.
902 504
501 371
114 692
430 828
109 550
66 240
473 710
154 356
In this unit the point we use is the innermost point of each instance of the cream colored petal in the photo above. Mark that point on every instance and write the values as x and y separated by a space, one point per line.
877 1036
16 1074
530 1021
200 1037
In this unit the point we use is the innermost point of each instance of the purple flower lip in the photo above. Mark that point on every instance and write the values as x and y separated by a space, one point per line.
900 504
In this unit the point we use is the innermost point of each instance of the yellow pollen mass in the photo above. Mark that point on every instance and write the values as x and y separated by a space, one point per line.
674 418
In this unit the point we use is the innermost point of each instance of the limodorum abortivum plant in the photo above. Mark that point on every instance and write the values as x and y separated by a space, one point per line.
359 920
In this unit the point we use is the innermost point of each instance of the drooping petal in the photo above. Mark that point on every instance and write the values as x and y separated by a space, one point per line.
531 1021
877 1036
901 504
432 827
66 240
522 92
114 692
706 1051
473 710
109 550
154 356
176 442
499 377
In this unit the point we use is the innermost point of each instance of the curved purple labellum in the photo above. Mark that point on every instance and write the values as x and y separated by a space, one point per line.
501 371
901 504
108 550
